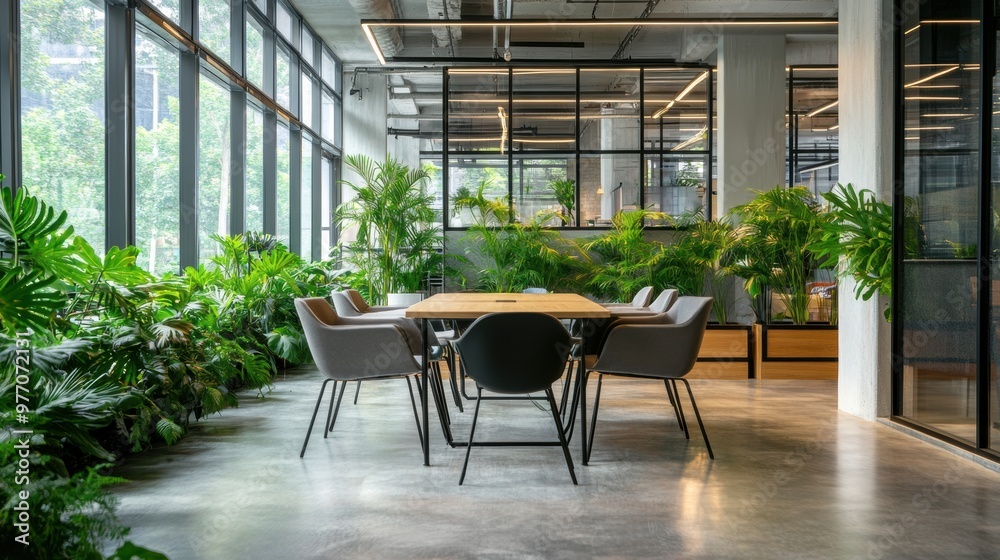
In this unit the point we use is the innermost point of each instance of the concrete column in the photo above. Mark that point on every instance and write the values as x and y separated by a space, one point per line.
751 110
866 113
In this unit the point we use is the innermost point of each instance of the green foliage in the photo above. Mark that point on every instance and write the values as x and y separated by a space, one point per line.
627 262
396 241
773 247
565 191
514 255
700 253
857 241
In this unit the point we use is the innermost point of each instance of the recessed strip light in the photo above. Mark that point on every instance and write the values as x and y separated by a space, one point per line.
912 29
931 98
940 86
373 43
947 115
911 129
698 136
545 140
826 107
932 76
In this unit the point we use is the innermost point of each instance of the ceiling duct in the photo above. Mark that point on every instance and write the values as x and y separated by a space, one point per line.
388 38
445 36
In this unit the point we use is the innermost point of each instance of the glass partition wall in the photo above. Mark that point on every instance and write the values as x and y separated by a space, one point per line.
945 321
573 146
813 127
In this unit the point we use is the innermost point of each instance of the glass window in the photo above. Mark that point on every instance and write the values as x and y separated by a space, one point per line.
308 47
306 200
62 110
329 110
262 4
284 78
325 208
169 8
306 110
213 166
329 69
941 96
255 52
283 20
466 174
814 127
545 189
157 155
284 184
254 197
214 21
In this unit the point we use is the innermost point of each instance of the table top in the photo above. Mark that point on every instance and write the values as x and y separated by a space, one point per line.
474 305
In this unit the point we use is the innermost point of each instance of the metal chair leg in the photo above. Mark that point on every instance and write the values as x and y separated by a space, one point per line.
698 416
673 403
413 402
329 412
593 420
562 435
453 375
357 392
680 409
472 433
336 409
312 420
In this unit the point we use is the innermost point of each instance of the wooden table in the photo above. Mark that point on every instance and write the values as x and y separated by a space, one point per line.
475 305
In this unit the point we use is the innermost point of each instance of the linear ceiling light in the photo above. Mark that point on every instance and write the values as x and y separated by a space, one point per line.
692 140
680 97
367 24
826 107
932 76
373 43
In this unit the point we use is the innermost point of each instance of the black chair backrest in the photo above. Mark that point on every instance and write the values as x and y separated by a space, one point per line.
515 352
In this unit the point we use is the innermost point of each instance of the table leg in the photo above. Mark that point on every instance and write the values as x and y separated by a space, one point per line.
424 394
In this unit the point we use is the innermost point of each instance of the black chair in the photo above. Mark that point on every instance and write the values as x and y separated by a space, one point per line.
515 353
663 347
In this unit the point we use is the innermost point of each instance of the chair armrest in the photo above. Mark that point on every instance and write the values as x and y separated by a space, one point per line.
349 352
650 350
410 328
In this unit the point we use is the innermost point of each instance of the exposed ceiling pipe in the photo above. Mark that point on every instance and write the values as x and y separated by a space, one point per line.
506 41
445 36
496 15
389 39
634 31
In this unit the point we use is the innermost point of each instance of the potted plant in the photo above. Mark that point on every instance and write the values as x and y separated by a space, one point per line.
626 260
773 252
397 242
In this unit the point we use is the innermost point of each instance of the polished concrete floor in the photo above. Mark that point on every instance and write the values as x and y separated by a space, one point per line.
792 478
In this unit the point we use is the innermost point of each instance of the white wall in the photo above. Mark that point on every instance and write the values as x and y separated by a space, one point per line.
866 114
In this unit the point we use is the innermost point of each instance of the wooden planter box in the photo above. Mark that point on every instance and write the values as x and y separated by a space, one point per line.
796 351
726 353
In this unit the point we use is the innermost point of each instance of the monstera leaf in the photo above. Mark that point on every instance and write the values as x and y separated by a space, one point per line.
27 301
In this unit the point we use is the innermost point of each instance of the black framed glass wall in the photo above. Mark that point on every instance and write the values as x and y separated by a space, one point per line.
945 320
813 127
624 137
213 84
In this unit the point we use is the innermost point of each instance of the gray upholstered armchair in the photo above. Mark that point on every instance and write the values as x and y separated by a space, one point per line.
663 346
642 299
346 350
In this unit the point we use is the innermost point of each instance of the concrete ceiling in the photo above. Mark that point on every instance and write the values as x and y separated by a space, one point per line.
338 23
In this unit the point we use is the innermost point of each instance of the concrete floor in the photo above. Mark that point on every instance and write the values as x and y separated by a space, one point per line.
792 478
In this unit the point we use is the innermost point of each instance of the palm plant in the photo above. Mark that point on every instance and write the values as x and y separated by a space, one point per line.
700 254
565 191
857 241
773 247
396 237
627 262
517 255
